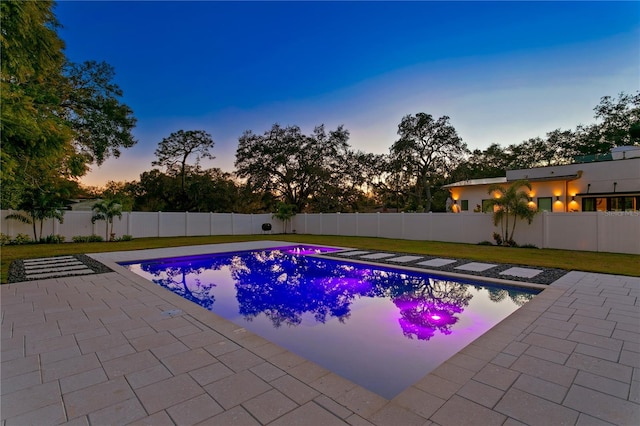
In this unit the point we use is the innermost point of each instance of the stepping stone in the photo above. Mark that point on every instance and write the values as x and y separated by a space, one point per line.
54 269
60 274
404 259
377 256
51 265
352 253
521 272
49 260
437 262
476 266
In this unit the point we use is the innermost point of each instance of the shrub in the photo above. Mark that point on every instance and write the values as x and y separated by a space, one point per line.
126 237
529 246
22 239
485 243
497 238
4 239
87 239
510 243
52 239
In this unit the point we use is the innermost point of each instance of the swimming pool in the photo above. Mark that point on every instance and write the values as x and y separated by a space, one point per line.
380 327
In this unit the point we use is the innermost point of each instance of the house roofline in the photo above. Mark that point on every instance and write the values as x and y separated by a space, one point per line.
472 182
573 176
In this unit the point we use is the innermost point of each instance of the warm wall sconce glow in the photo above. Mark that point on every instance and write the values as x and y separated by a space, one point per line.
573 198
557 198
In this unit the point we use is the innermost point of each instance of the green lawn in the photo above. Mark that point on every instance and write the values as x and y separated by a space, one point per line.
608 263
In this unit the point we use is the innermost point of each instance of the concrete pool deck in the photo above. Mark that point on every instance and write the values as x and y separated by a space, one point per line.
114 348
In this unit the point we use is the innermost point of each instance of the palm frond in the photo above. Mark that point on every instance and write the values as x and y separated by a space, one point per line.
20 218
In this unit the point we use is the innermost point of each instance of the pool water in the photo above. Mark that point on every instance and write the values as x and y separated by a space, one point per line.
379 327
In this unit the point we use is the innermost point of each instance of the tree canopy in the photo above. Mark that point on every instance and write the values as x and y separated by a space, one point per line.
174 150
57 117
293 166
426 151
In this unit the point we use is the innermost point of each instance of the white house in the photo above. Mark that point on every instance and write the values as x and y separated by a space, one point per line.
610 185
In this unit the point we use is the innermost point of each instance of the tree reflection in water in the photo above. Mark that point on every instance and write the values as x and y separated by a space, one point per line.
499 294
182 278
285 287
426 304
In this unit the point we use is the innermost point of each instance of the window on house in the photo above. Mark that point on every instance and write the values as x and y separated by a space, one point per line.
545 204
588 204
603 204
616 205
628 204
464 205
485 205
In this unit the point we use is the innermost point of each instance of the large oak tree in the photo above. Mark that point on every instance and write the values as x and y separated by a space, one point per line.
426 152
293 166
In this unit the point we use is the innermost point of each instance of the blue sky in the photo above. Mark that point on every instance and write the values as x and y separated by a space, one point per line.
502 71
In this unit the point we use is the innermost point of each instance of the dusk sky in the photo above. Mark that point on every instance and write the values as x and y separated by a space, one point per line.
503 72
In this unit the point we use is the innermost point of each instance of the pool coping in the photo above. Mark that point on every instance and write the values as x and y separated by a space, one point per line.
545 353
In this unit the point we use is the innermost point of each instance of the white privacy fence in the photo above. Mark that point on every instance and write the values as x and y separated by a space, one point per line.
590 231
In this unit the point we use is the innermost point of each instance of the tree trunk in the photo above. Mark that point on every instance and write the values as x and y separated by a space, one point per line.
513 229
427 201
506 228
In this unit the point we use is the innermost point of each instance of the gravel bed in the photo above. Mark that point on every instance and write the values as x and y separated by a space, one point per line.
17 273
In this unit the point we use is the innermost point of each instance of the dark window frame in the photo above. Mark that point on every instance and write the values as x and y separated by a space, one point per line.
549 199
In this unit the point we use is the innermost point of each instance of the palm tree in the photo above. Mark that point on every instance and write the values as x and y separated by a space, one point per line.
38 206
106 210
285 213
510 202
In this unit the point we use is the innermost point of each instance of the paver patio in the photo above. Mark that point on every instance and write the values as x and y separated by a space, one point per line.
116 349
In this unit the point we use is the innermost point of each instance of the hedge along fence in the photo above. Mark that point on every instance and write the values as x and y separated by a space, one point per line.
617 232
